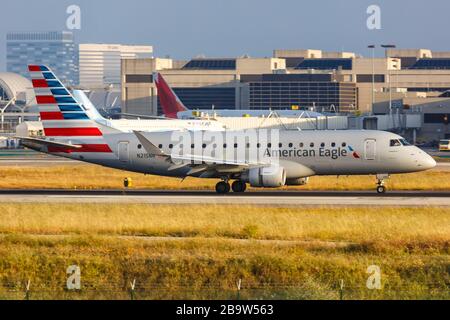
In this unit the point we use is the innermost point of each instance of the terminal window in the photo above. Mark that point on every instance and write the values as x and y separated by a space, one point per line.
139 78
365 78
436 118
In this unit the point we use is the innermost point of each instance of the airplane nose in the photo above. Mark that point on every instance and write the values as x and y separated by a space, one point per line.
428 162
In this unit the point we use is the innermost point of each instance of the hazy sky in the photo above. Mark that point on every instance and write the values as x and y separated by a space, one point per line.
220 28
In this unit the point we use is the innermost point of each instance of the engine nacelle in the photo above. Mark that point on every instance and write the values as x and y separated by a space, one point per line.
297 181
268 177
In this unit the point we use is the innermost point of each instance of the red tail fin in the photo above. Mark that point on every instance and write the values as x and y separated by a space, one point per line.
170 103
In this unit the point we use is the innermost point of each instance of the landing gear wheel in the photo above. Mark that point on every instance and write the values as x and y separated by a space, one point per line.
381 189
239 186
223 187
380 185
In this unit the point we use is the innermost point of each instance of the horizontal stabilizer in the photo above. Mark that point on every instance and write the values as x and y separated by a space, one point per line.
47 143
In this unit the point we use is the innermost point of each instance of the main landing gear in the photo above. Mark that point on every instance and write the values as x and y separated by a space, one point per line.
380 184
239 186
223 187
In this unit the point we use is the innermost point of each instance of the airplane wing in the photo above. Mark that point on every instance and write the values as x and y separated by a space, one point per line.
149 146
198 163
36 142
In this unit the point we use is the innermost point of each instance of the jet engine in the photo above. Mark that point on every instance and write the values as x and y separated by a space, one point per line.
269 177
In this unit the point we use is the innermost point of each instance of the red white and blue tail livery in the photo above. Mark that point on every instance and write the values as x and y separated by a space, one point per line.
62 116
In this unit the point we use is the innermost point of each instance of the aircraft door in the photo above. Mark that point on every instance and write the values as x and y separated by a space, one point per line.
370 149
123 150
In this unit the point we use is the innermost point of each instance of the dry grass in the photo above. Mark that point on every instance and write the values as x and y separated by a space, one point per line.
96 177
345 224
309 251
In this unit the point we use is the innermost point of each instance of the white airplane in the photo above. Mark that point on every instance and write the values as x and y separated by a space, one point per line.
173 108
259 157
128 125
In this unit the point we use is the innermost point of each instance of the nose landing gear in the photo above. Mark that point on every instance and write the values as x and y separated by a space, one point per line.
381 188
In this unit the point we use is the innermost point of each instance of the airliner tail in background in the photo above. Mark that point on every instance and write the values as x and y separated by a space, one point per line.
170 103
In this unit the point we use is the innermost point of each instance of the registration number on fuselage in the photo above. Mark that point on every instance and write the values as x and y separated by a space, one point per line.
145 156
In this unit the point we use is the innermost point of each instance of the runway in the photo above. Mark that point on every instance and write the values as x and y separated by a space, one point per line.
264 198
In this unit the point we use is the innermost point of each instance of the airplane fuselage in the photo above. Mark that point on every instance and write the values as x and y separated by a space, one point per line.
323 152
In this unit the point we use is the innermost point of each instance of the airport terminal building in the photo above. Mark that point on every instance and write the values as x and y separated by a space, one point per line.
340 81
403 84
240 83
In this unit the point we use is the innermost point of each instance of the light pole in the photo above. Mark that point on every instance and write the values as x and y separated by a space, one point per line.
386 47
372 46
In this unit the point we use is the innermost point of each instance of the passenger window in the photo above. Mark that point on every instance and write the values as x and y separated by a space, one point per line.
258 145
160 146
248 145
235 145
395 143
322 145
170 146
224 145
204 146
139 146
269 145
312 145
344 144
291 145
280 145
192 146
302 144
333 145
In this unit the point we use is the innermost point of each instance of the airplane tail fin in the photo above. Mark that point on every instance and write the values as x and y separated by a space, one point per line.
62 117
170 103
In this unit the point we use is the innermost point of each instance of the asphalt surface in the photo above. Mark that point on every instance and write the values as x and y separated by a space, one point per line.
266 198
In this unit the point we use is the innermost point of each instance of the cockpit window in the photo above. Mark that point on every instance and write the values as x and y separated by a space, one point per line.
395 143
405 142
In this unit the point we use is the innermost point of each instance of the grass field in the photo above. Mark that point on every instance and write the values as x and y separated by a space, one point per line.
96 177
201 251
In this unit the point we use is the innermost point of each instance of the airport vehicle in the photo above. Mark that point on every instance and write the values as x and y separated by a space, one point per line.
444 145
260 157
172 107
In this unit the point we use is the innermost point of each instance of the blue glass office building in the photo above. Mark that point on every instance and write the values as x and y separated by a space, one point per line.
55 49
